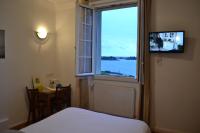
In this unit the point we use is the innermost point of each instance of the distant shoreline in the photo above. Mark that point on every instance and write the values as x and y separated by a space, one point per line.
117 58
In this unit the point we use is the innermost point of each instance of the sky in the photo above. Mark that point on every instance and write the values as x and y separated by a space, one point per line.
119 32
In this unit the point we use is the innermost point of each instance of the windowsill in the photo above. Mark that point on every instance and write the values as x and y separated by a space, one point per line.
115 78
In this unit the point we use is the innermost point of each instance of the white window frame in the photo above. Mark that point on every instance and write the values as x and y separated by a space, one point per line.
95 46
98 48
78 7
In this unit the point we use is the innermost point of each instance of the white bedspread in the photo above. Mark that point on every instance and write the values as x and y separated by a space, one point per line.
75 120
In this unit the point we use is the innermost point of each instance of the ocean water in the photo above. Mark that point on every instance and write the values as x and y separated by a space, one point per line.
123 66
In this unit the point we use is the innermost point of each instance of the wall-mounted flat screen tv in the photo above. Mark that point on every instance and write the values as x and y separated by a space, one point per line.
166 42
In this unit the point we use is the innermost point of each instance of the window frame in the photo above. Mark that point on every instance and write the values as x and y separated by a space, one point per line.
97 44
77 47
95 40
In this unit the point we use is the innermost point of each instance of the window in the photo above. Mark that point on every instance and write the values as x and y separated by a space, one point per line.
118 42
84 53
114 42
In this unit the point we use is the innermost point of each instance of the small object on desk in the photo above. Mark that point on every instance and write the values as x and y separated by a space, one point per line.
37 84
50 89
53 83
58 85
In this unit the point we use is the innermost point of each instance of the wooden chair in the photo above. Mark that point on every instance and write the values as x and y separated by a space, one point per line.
36 105
62 98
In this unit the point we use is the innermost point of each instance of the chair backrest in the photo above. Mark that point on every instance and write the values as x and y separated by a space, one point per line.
63 95
33 96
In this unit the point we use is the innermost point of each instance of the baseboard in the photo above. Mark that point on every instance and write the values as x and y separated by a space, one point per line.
164 130
19 125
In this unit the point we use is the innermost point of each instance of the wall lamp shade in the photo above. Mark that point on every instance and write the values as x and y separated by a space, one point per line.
41 33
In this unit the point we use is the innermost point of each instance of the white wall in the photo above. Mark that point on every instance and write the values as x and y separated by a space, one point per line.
24 56
65 43
175 77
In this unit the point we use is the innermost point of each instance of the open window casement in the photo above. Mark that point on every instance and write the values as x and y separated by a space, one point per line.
85 41
89 41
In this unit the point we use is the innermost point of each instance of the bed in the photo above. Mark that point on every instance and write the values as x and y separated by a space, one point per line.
76 120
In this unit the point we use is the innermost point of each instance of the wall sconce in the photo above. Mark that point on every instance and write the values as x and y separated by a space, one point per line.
41 33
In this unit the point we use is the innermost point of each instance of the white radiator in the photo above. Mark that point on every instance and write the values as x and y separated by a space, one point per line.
114 97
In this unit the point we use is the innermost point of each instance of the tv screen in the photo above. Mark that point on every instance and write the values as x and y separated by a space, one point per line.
166 42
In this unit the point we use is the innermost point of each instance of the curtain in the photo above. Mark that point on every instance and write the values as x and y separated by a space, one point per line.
144 22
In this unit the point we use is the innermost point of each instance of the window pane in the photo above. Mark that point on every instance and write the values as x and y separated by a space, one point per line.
89 32
119 42
83 30
85 48
85 65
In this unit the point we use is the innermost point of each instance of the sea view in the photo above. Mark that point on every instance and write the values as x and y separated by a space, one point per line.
119 42
120 67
